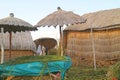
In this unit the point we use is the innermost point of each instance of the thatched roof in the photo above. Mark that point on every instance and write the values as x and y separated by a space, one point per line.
49 43
60 17
20 41
13 24
100 20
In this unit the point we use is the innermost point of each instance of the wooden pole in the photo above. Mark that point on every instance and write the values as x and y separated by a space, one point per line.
93 48
60 42
10 39
2 46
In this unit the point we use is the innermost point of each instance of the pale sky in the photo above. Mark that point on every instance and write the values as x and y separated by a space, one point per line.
33 11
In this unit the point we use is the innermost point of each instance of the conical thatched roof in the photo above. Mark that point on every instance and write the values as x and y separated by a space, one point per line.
60 17
20 41
49 43
13 24
100 20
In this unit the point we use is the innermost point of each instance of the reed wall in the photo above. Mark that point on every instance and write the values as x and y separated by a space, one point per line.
16 53
79 45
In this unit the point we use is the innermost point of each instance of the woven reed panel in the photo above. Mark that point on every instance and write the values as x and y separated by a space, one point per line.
107 44
17 53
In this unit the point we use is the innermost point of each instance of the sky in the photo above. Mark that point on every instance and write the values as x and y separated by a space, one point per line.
33 11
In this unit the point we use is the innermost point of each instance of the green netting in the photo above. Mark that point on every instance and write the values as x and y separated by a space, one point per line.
36 66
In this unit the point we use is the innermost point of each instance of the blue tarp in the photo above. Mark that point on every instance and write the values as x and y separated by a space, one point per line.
36 68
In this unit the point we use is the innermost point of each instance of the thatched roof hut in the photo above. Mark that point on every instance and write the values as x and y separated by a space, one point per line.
106 33
49 43
22 44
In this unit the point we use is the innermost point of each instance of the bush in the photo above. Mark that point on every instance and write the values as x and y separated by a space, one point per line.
114 71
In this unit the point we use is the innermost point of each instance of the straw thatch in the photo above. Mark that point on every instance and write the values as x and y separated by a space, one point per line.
60 17
106 36
49 43
99 20
13 24
22 44
20 41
